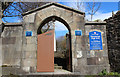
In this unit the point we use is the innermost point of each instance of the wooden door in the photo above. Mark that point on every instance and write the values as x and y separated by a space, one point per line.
45 52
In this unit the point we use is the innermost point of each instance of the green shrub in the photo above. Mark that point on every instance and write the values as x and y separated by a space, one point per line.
104 72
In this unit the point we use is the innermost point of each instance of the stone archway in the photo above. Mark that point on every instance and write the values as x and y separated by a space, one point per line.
73 19
69 38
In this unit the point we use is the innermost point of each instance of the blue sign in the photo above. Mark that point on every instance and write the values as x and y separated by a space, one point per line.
95 40
28 33
78 33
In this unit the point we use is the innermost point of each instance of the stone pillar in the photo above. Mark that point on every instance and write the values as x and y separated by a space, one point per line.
29 49
97 60
78 44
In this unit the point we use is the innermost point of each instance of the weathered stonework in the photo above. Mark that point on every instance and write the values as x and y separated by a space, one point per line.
97 60
113 37
12 45
25 48
11 48
29 48
49 12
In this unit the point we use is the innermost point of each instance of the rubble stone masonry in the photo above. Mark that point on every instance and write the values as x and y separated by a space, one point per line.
113 37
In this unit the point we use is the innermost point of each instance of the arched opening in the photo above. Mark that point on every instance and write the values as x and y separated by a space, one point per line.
66 61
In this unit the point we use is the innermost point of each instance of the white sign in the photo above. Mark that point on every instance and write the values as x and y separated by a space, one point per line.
79 54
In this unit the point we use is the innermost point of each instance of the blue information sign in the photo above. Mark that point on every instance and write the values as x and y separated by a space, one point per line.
78 33
95 40
28 33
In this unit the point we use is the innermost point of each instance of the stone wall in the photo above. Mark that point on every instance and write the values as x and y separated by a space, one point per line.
113 37
21 50
97 60
12 45
12 48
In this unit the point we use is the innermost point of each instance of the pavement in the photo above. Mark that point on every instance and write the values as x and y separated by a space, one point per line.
56 72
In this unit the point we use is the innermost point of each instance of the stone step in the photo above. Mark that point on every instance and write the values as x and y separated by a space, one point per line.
55 64
57 67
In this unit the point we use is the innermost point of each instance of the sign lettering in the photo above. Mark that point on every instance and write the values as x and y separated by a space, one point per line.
95 40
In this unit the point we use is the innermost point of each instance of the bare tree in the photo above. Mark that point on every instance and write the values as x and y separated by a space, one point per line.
48 26
15 9
92 8
61 43
80 5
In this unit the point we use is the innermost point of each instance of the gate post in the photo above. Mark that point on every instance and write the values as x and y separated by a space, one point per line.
29 49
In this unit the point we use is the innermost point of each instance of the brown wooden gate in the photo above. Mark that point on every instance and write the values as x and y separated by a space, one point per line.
45 52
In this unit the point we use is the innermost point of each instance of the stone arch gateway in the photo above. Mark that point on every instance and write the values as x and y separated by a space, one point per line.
50 19
21 40
73 19
68 27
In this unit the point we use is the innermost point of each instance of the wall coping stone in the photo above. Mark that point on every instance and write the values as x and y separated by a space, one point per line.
95 23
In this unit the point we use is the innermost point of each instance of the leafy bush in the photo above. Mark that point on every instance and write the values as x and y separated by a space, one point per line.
104 72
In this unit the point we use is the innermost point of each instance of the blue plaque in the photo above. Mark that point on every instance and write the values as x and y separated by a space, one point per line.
28 33
95 40
78 33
